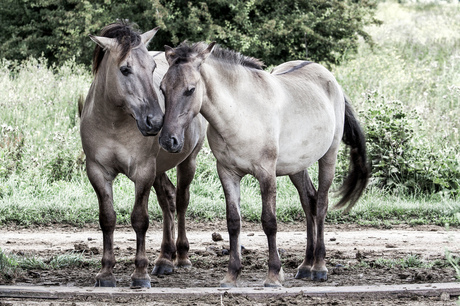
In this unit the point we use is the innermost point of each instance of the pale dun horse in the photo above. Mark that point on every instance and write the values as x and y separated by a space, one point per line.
121 108
267 125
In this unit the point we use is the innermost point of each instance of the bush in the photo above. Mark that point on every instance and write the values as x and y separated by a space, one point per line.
402 159
274 31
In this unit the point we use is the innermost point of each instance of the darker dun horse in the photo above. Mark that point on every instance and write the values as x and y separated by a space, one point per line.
267 125
122 105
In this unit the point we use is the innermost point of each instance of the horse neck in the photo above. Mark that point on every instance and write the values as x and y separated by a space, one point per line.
225 104
102 107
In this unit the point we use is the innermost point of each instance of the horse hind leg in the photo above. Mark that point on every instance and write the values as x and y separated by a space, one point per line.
308 196
166 195
275 276
325 178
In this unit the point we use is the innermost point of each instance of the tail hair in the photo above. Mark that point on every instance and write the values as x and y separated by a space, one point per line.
81 102
359 171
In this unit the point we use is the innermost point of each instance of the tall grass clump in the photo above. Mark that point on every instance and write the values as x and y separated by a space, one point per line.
41 161
39 119
406 89
403 158
9 267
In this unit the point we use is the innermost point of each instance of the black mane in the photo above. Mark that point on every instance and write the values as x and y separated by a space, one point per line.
185 50
127 35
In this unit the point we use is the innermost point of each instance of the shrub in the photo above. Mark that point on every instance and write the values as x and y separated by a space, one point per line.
401 157
274 31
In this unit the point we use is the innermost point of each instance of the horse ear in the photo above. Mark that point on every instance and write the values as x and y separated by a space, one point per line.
170 54
104 42
206 52
147 36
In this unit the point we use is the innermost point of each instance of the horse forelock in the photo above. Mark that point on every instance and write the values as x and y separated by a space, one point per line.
127 36
185 51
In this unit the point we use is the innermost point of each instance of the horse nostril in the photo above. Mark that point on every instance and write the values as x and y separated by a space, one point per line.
174 142
171 143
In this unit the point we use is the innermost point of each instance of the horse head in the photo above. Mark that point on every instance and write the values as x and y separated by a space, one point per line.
184 91
124 67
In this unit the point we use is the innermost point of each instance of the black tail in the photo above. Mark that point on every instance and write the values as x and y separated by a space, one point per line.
81 102
359 171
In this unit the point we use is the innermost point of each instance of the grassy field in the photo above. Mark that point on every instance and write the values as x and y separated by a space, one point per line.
415 60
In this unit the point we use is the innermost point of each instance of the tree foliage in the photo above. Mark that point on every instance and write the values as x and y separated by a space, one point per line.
274 31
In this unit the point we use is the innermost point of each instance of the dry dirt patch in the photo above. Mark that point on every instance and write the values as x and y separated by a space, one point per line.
353 254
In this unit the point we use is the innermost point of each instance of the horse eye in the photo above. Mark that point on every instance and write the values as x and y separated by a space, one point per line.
190 91
125 70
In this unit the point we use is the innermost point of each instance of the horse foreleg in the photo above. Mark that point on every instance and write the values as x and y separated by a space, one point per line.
307 194
140 224
102 185
325 177
231 185
275 275
166 194
185 174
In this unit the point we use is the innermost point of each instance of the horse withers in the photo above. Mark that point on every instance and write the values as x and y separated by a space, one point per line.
121 108
267 125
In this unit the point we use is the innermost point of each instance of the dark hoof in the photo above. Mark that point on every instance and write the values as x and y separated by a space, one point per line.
105 283
303 274
140 283
162 270
319 276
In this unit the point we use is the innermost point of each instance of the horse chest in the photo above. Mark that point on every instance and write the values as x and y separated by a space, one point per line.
125 155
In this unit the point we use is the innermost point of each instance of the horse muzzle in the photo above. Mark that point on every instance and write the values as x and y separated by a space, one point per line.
150 125
171 143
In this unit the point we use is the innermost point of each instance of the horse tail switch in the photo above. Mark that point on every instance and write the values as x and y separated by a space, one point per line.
359 170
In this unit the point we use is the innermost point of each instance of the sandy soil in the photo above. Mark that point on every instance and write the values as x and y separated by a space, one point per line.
353 255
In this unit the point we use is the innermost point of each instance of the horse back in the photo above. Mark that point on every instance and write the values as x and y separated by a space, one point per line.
312 116
304 76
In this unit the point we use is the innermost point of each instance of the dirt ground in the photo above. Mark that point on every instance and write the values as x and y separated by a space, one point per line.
354 256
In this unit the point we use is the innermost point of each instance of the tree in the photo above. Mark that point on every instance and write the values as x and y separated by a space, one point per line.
273 31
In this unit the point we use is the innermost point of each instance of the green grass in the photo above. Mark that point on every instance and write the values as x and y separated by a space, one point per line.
13 265
416 60
410 261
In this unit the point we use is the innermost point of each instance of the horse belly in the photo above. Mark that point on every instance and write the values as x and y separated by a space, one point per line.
298 152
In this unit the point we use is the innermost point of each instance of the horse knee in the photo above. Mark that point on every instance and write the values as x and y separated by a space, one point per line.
107 221
139 222
269 225
233 226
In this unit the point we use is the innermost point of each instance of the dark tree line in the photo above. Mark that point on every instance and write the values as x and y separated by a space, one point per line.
273 31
